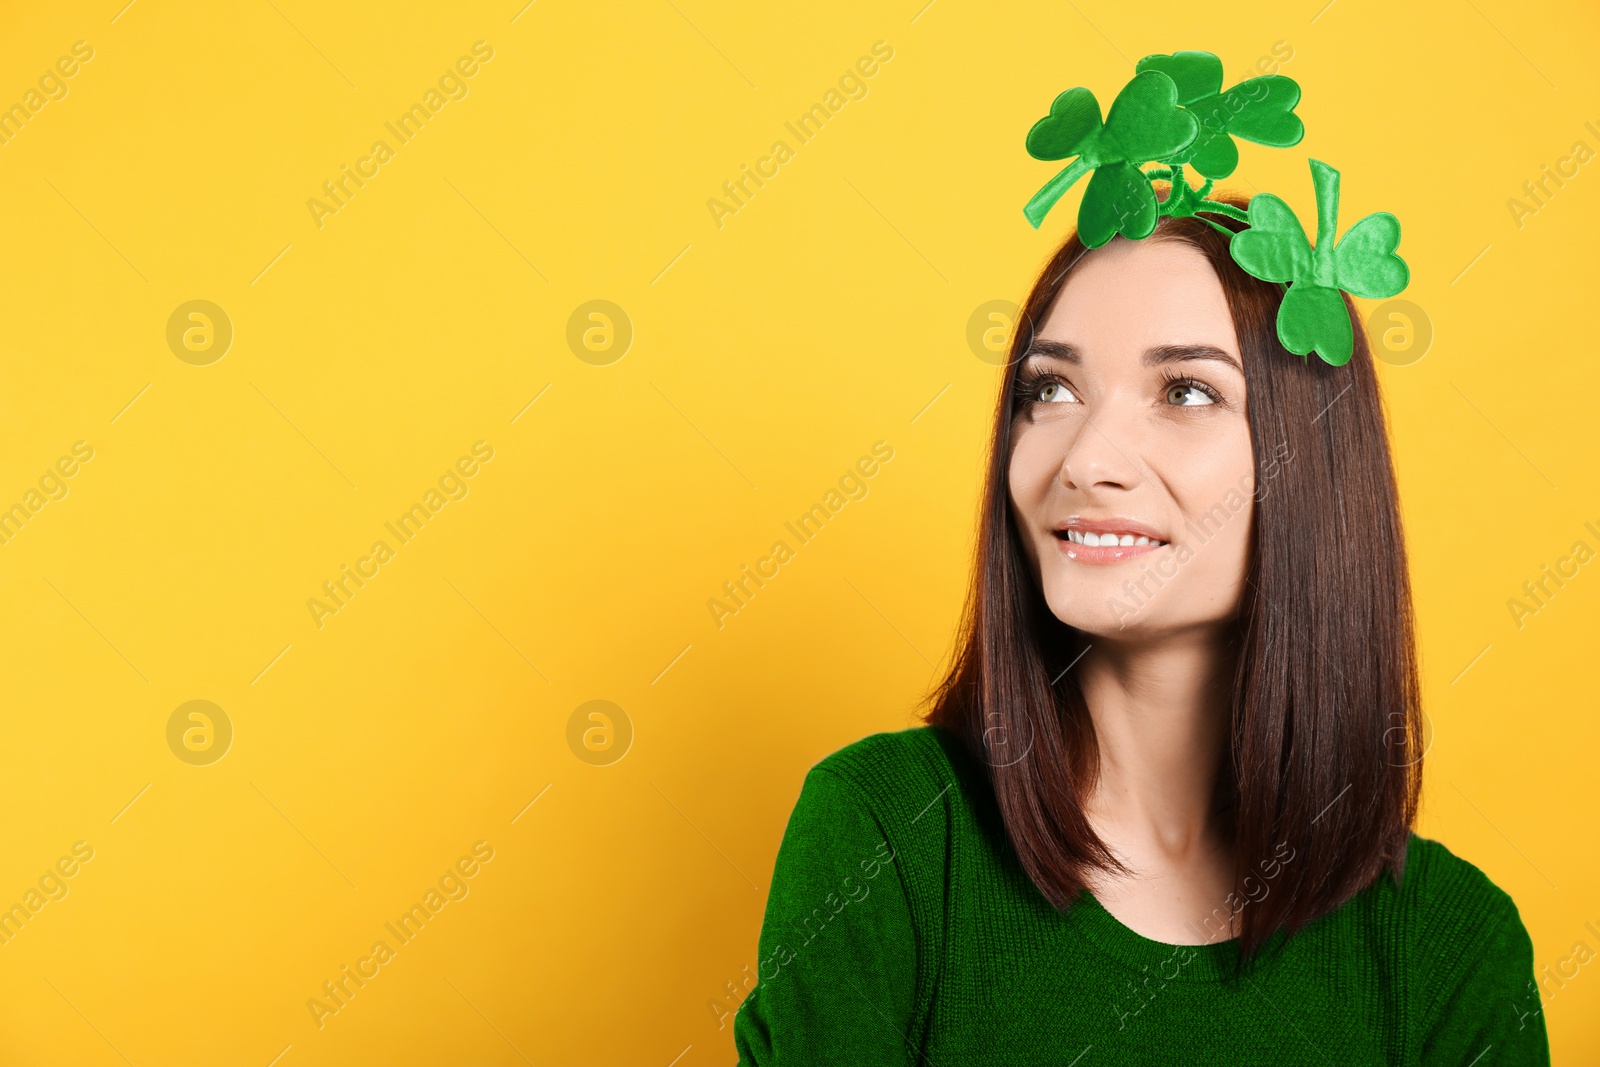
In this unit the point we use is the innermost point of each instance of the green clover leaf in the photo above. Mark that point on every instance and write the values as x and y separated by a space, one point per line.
1074 116
1275 247
1257 109
1144 123
1313 315
1196 74
1314 318
1364 261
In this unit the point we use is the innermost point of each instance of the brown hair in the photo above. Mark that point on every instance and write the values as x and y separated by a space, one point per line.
1325 740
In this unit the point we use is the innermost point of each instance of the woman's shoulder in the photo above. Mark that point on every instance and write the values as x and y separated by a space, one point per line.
1450 923
918 785
1443 889
1440 905
900 774
1468 955
890 754
858 892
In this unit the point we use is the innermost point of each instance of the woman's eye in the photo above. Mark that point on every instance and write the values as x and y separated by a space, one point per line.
1053 392
1187 394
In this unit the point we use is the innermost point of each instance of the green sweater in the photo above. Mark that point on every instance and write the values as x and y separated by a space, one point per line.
901 929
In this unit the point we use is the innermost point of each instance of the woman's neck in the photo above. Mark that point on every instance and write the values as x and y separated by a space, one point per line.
1162 713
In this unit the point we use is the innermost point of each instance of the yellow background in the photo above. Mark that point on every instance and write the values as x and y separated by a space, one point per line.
768 354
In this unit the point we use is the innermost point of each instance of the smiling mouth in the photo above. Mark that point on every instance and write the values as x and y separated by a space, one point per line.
1108 539
1106 546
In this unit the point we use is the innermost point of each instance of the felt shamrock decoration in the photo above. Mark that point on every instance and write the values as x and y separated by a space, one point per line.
1145 124
1313 316
1173 113
1184 199
1257 109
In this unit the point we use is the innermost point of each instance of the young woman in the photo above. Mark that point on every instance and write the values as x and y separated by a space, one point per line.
1162 803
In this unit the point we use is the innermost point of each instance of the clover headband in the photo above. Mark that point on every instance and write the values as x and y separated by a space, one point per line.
1174 113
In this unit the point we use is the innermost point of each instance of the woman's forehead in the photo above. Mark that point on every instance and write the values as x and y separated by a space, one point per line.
1141 293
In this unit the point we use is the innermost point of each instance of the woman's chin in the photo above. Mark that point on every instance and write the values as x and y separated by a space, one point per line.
1105 620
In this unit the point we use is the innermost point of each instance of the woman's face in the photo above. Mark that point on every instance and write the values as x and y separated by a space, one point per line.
1130 430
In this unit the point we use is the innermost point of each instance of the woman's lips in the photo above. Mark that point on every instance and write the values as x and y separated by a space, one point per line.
1102 554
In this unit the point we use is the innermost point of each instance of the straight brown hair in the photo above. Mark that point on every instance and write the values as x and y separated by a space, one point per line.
1326 734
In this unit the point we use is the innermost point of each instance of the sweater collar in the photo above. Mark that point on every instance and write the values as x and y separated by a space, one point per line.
1158 961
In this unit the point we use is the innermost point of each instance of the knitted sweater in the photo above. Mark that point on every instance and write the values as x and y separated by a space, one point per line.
901 929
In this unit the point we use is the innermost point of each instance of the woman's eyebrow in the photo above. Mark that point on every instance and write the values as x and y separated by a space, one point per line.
1153 357
1053 350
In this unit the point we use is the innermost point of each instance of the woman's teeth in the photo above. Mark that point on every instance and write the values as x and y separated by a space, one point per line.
1094 540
